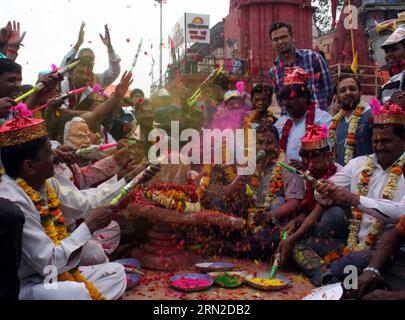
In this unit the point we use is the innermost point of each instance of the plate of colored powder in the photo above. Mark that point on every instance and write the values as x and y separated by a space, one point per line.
263 282
215 266
129 263
191 282
228 280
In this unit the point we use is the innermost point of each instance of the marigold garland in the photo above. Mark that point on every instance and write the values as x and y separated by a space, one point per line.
357 215
276 184
207 171
351 132
54 226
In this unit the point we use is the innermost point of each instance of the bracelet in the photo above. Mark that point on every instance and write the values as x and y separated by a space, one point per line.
373 270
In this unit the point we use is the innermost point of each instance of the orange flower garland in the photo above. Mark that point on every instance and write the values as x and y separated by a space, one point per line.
276 184
276 181
207 171
54 226
351 132
205 181
357 215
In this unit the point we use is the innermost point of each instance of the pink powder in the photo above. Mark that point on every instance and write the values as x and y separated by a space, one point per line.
187 283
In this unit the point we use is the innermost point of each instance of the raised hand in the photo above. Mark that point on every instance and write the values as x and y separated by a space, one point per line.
107 38
80 38
16 38
123 86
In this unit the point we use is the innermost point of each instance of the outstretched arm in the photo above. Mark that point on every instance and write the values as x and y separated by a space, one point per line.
114 69
15 40
309 222
71 55
100 112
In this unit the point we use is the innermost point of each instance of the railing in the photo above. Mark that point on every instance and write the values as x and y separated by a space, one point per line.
191 68
370 79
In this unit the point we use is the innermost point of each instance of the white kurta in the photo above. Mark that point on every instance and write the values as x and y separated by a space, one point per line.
349 177
38 250
298 131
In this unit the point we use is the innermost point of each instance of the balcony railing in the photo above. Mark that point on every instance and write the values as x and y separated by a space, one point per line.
371 77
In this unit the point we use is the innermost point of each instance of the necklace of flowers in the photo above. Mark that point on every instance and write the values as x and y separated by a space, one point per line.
54 226
310 119
276 184
176 197
206 175
357 215
351 132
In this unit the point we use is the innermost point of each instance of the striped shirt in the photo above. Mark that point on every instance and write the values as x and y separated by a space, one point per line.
321 84
394 85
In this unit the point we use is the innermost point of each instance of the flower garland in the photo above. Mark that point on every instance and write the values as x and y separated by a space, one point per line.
357 215
310 119
206 175
351 132
176 197
54 226
276 181
276 184
205 181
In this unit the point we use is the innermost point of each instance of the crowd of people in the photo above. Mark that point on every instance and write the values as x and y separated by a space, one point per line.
55 209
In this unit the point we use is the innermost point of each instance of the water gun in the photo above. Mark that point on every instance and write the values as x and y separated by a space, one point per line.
277 259
93 149
305 175
41 86
131 185
62 97
193 99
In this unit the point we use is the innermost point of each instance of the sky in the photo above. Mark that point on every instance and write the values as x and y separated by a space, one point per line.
53 25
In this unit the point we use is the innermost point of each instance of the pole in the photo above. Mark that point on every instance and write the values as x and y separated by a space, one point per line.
161 44
352 34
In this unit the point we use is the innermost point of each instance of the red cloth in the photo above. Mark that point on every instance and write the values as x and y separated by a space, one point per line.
401 226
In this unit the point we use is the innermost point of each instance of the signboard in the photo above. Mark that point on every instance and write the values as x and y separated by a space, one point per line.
178 33
197 28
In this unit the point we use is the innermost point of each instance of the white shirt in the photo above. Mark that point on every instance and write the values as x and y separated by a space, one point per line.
349 177
298 131
38 250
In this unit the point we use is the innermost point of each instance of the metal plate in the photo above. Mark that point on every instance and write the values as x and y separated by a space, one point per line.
194 276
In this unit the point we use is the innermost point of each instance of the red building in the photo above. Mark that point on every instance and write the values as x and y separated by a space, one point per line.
248 49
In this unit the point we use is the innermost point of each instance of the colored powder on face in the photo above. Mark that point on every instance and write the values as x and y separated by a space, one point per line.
228 280
187 283
268 282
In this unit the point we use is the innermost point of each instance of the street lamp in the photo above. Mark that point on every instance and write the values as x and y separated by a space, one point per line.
161 41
